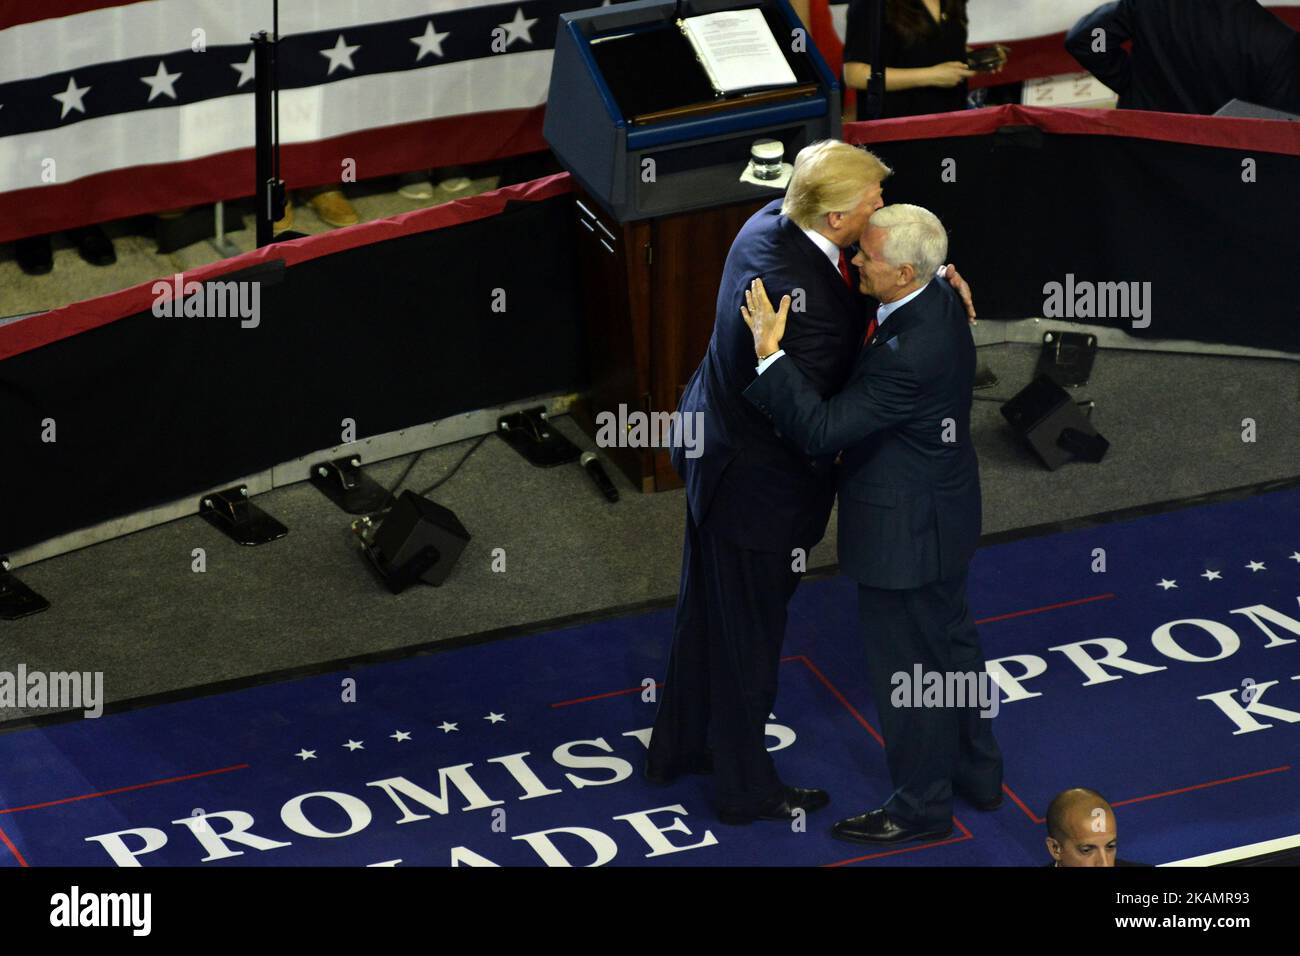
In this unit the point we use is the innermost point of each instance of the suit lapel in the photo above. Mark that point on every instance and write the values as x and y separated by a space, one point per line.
816 259
902 319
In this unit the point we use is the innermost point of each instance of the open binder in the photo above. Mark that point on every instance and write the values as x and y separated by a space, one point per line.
699 64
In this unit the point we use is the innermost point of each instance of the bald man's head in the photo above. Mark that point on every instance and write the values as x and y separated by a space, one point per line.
1081 829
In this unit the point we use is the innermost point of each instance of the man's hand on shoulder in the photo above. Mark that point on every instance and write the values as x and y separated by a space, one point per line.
768 326
961 288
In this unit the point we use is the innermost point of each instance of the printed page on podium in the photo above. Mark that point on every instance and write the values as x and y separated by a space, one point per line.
737 50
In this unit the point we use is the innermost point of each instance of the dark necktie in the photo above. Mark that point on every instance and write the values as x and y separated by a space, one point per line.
844 269
871 330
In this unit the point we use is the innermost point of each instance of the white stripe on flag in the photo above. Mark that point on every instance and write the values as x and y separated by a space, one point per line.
164 26
319 112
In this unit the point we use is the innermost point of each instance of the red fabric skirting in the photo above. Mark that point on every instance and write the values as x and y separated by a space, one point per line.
79 317
1269 136
474 138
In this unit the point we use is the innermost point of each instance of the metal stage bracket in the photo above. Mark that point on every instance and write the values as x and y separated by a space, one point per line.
532 435
17 599
231 513
343 482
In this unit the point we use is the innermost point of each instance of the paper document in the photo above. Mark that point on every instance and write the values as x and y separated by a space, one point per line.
737 50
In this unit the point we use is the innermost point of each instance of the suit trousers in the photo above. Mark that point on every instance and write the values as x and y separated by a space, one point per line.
722 672
929 749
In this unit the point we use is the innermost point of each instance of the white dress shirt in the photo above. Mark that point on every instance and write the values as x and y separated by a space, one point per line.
882 312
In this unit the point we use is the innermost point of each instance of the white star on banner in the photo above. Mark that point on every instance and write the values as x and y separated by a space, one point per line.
518 28
447 728
400 735
245 71
1211 575
1295 556
305 754
496 718
340 55
161 83
71 97
430 42
354 745
1256 566
1167 584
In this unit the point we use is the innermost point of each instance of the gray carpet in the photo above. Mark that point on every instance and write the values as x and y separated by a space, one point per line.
134 609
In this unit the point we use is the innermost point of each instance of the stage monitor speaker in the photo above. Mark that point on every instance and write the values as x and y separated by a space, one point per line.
1067 357
1045 416
417 540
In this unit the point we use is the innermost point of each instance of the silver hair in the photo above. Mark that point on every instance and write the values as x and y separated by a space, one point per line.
916 237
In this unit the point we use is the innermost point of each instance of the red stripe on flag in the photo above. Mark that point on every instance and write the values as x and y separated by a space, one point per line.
11 15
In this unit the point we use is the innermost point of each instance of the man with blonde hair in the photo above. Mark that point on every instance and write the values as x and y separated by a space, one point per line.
909 518
756 506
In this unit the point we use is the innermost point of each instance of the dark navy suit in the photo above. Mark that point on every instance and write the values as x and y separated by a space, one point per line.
909 522
752 500
1191 56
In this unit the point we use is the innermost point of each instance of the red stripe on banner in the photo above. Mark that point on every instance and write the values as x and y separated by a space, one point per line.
1269 136
4 838
13 13
127 789
384 151
33 333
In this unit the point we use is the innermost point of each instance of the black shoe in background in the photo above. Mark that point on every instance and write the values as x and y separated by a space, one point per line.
34 255
94 245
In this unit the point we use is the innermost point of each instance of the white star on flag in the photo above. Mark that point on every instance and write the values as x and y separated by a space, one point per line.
340 55
245 69
518 28
1167 584
161 83
496 718
447 728
354 745
71 97
1211 575
1256 566
430 42
1295 556
305 754
400 735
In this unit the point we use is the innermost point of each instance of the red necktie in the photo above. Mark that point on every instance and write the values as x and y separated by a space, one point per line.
871 330
844 269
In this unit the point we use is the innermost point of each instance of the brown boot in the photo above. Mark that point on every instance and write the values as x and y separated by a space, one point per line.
334 209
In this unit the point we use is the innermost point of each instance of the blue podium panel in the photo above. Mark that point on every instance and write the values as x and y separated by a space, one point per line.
633 116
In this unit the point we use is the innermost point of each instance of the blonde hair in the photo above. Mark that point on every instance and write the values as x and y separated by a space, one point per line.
830 176
916 238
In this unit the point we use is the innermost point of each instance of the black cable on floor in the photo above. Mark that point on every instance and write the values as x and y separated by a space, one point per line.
455 468
409 465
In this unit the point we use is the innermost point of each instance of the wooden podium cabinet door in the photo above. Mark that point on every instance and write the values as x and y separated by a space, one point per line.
688 252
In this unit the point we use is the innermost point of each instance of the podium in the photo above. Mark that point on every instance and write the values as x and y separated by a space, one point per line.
658 155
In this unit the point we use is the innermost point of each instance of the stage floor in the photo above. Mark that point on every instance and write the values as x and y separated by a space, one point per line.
527 751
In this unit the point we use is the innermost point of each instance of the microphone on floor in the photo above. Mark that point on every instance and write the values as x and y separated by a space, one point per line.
592 466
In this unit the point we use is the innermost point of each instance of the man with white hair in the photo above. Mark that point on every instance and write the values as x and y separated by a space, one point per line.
909 514
754 506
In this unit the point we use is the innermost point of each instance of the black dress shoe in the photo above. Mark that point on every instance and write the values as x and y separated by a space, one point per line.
94 245
34 255
876 826
664 774
794 799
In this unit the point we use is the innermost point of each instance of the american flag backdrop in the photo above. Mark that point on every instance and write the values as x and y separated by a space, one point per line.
113 108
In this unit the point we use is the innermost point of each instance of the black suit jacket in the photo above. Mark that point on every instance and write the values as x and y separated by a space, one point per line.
748 485
1191 56
909 485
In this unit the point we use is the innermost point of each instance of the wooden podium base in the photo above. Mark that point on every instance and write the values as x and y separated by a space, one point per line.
650 289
